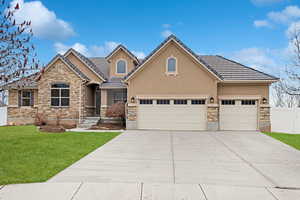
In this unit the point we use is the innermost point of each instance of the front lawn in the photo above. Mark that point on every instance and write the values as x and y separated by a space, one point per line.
27 155
290 139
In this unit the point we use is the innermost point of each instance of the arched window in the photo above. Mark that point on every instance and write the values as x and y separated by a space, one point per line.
172 65
121 67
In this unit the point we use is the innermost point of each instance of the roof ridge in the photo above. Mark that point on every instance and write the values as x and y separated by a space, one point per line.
247 67
126 49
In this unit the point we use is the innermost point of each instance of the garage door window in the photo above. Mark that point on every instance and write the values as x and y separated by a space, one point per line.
248 102
146 101
162 101
198 101
228 102
180 101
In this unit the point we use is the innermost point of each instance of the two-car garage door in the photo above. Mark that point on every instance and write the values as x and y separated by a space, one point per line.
172 114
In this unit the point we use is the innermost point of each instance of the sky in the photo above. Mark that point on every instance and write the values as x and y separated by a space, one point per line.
253 32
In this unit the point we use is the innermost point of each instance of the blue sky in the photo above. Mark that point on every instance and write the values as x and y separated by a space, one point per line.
254 32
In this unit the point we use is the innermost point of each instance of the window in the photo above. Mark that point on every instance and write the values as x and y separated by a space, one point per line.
172 65
119 96
26 98
248 102
60 95
180 101
162 101
121 67
146 101
198 101
228 102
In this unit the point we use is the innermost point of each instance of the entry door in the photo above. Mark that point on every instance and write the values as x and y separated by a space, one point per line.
238 115
172 114
98 101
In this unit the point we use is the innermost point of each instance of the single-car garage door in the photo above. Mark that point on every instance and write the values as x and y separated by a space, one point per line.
170 114
238 115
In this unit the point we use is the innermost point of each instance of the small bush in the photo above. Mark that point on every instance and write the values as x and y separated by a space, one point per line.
40 120
117 110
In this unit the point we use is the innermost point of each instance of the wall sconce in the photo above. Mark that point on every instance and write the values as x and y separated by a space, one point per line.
212 100
132 100
264 101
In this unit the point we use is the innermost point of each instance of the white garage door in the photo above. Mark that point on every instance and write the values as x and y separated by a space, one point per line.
238 115
168 114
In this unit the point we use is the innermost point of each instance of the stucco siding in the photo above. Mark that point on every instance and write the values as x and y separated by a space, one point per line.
192 78
120 54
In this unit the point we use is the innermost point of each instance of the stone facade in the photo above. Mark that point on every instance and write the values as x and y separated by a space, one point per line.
131 116
60 73
21 115
212 117
103 110
264 118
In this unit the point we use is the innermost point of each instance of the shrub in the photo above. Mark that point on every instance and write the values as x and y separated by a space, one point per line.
117 110
40 119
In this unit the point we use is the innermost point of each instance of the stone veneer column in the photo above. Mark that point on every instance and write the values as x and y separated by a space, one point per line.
212 117
131 116
103 103
264 118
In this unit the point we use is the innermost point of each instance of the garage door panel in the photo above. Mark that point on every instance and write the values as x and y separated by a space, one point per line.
238 117
172 117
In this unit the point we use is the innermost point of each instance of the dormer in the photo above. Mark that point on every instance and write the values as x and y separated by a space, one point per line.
121 61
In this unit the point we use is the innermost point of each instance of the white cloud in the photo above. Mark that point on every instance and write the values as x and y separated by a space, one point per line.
258 58
139 54
261 23
93 51
293 28
287 15
166 25
44 22
166 33
266 2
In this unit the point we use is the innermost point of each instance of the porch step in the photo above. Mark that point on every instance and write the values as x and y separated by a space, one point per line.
88 122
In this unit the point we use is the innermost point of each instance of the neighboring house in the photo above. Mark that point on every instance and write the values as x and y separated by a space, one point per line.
171 89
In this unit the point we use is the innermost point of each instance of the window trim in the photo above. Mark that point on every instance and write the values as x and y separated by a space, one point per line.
30 103
60 97
116 67
176 66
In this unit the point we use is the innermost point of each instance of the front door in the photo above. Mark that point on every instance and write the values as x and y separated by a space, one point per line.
98 101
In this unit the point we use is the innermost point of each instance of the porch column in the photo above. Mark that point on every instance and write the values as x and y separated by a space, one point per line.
264 118
212 117
103 103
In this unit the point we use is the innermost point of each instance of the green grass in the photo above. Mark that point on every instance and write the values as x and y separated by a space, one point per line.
27 155
290 139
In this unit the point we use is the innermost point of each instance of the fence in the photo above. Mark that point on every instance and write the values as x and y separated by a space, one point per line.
285 120
3 116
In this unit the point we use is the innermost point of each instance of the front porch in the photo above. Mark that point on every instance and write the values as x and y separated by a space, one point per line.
98 99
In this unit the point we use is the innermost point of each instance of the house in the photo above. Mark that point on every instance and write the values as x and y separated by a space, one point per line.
171 89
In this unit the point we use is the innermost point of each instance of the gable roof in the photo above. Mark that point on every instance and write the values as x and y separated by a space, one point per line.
182 45
102 64
28 82
223 68
120 46
69 64
87 62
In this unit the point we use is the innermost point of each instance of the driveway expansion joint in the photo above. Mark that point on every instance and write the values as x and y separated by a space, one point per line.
142 188
271 193
172 154
76 191
201 188
246 161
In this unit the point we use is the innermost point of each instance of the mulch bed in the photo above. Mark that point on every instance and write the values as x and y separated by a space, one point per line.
52 129
107 127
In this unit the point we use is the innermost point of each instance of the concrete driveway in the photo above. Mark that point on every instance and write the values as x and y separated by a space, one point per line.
181 157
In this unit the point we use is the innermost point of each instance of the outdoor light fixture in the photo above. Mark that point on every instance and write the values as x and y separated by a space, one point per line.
132 100
211 100
264 100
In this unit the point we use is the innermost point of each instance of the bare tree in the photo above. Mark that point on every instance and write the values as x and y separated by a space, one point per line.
17 53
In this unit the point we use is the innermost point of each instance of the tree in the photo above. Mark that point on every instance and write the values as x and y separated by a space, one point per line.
17 53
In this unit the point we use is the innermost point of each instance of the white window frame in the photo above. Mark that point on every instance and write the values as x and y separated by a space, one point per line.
60 97
176 66
121 59
22 98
